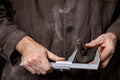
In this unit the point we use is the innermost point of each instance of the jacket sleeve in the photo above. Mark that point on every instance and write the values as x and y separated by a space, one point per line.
115 26
10 34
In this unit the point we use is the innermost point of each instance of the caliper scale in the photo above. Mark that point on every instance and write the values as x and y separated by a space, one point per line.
81 58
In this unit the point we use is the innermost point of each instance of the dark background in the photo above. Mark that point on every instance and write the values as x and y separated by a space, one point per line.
2 62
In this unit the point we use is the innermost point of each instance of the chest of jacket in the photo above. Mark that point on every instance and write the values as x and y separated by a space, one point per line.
60 23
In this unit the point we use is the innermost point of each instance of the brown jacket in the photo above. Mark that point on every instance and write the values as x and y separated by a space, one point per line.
57 24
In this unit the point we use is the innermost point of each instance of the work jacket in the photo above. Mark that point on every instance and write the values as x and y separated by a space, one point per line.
57 25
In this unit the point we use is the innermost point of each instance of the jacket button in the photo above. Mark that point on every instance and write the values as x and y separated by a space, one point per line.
69 29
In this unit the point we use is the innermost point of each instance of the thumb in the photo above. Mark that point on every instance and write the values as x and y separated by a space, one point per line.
95 42
54 57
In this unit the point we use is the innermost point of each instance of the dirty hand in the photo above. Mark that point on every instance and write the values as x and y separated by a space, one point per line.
35 56
106 46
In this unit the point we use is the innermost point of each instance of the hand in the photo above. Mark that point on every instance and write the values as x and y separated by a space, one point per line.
35 56
106 43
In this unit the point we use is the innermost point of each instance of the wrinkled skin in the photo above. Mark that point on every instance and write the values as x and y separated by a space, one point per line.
106 43
35 56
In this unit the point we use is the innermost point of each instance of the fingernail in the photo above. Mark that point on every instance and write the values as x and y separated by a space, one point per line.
50 71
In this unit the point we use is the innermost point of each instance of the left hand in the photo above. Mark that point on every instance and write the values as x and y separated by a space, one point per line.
106 46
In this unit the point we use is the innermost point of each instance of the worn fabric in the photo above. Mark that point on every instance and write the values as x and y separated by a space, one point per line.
57 25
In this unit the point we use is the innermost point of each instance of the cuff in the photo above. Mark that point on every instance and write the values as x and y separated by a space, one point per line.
11 43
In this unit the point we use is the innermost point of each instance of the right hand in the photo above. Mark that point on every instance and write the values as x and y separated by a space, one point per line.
106 46
35 56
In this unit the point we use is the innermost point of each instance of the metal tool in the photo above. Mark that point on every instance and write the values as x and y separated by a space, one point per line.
67 65
70 65
80 59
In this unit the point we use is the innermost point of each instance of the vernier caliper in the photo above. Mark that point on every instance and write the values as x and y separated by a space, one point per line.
70 65
82 59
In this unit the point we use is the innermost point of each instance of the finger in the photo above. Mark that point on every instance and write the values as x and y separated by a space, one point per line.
95 42
50 71
91 62
37 69
46 66
37 65
100 49
105 63
42 64
29 68
30 63
54 57
105 53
